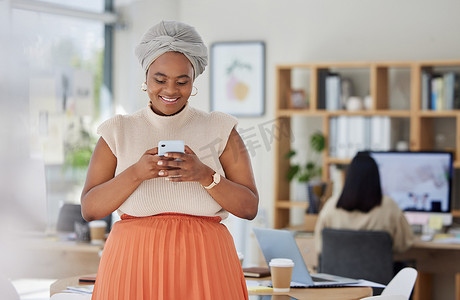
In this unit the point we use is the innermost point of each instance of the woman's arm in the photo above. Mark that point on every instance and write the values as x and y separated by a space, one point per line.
237 193
104 192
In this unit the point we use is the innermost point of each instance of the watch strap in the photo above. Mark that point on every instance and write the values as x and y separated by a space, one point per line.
215 181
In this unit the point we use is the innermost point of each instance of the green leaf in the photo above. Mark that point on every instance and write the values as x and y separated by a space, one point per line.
318 142
292 172
290 154
310 166
304 177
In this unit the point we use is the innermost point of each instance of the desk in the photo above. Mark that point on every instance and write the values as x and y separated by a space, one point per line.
349 293
438 267
46 257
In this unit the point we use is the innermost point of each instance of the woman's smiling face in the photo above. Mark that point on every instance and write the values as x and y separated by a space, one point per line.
169 83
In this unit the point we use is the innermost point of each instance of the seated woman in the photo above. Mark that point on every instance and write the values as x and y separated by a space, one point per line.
361 206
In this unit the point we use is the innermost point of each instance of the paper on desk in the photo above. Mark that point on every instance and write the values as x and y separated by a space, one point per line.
447 240
435 222
252 284
256 283
362 282
81 289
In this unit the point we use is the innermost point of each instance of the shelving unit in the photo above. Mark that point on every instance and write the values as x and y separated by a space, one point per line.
378 77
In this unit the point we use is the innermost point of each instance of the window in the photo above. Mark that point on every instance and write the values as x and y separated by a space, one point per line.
64 54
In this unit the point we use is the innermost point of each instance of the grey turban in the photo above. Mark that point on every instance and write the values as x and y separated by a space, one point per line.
169 36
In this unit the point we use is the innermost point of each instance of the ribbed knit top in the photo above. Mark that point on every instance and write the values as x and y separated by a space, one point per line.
129 136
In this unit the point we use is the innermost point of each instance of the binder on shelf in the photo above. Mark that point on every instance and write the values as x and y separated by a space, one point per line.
367 133
386 133
376 134
358 135
342 137
353 136
322 74
333 137
333 93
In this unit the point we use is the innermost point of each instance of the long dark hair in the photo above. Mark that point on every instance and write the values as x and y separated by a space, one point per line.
362 190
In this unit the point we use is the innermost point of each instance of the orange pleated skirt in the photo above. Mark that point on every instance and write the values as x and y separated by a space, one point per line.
169 256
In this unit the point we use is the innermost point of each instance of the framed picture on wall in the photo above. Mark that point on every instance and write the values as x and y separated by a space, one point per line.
238 78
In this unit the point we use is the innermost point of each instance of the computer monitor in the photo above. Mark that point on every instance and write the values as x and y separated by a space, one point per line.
419 182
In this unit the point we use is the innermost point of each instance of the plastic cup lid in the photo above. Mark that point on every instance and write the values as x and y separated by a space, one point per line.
281 262
98 223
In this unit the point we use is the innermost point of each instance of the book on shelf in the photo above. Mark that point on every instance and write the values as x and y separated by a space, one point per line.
426 90
440 91
256 272
449 89
437 92
457 92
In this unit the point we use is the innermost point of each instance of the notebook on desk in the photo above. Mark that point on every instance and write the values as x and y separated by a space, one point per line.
276 243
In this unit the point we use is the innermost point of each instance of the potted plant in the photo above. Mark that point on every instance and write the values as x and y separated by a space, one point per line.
78 147
310 174
311 170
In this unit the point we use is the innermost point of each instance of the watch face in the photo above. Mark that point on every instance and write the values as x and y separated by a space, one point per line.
216 177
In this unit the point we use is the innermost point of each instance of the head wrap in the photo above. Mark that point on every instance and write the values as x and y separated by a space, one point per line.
169 36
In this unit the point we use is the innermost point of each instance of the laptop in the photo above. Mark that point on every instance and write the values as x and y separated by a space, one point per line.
276 243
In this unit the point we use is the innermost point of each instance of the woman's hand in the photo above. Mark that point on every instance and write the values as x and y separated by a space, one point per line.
147 166
236 192
188 167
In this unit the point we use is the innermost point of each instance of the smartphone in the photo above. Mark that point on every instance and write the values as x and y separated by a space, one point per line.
170 146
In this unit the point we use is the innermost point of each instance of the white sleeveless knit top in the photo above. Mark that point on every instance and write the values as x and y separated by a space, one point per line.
129 136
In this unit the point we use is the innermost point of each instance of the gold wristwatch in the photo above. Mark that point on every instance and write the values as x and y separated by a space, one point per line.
215 181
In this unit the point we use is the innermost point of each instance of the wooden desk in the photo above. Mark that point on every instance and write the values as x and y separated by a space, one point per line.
438 267
349 293
344 293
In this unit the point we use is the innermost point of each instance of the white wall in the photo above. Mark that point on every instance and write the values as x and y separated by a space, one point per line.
137 17
296 31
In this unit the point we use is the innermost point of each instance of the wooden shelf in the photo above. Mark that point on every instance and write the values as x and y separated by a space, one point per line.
300 112
421 123
456 213
367 113
325 113
285 204
439 113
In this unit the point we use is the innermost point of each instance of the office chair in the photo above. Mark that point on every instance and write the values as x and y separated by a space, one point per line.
71 213
7 289
400 287
68 215
357 254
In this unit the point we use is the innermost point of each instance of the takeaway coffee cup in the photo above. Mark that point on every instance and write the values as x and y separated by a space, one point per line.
281 271
97 231
240 257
